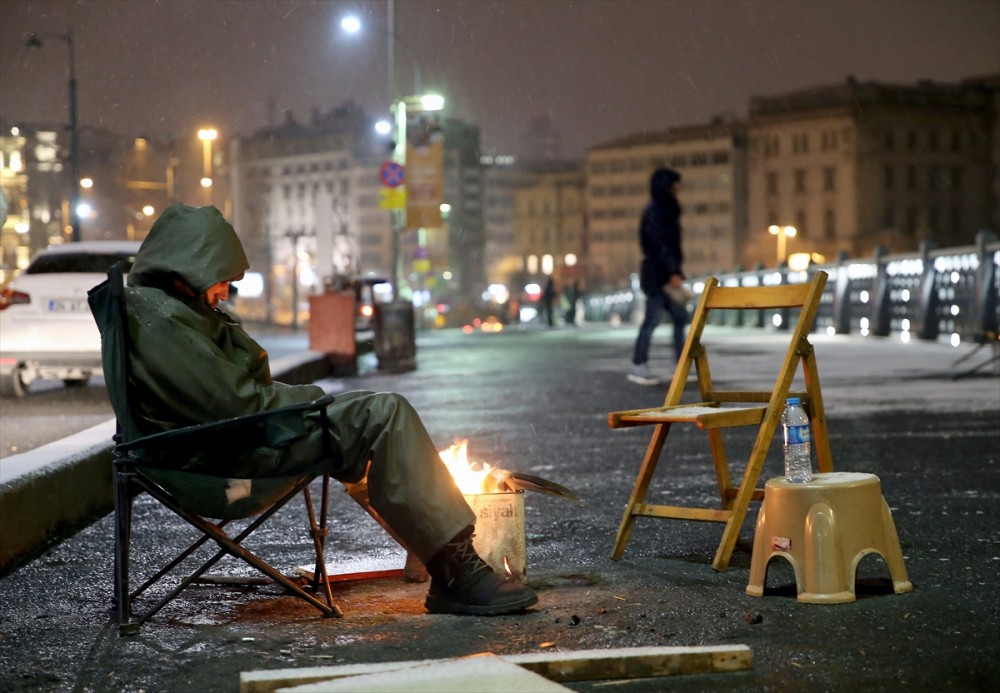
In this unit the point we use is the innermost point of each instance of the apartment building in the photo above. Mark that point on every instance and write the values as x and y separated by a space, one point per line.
711 159
858 165
549 223
502 177
297 208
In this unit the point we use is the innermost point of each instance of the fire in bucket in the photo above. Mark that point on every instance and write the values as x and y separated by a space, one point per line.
497 499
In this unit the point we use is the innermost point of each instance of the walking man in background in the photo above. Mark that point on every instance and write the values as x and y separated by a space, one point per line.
660 275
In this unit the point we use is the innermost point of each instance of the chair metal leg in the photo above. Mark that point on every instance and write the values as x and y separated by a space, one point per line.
319 533
123 539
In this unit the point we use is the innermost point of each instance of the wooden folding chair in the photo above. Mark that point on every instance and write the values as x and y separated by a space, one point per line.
198 474
714 413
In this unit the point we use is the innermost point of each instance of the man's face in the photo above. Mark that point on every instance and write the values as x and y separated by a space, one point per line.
216 293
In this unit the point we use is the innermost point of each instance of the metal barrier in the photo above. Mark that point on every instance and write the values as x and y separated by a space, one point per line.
934 293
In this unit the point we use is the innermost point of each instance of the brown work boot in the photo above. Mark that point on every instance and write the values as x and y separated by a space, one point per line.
463 583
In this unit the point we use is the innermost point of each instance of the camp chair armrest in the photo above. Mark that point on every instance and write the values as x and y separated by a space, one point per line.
241 433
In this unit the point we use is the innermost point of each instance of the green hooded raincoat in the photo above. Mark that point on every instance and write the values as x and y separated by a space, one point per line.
193 364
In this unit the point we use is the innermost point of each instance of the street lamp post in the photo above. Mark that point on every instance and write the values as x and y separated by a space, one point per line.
35 41
397 106
207 136
783 233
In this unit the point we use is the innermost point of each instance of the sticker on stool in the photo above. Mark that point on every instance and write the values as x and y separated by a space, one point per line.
781 543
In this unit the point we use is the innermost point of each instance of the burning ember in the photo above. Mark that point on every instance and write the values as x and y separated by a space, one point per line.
471 477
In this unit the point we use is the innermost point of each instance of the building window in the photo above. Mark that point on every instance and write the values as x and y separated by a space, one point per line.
911 140
911 177
720 157
800 180
772 183
889 178
956 178
829 224
911 221
800 223
932 178
889 217
932 141
887 141
956 141
829 179
933 219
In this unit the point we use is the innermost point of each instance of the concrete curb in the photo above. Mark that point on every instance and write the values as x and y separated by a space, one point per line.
53 491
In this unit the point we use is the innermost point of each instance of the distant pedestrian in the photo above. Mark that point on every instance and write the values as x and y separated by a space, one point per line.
549 303
572 295
660 276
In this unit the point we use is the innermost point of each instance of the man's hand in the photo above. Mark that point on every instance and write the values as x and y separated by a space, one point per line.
676 291
674 282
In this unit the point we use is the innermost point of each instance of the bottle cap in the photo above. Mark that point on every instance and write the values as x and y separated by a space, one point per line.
793 400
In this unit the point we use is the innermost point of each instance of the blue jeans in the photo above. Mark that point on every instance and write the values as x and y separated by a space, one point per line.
656 303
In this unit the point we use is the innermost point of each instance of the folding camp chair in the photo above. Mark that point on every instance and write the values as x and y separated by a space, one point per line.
161 464
713 413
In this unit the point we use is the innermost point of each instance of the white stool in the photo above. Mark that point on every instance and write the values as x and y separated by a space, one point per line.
824 528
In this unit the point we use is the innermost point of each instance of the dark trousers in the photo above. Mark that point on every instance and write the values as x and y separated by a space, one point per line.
656 303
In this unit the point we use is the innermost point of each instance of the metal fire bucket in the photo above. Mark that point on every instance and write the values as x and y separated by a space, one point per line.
500 537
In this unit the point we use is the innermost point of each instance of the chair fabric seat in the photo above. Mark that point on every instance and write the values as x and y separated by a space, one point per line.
221 498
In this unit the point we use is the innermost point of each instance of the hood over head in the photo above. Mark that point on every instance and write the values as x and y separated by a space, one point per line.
661 183
195 244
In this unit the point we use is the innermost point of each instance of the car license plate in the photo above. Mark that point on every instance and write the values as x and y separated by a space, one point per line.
67 305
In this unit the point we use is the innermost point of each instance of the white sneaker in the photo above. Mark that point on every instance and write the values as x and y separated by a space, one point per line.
640 375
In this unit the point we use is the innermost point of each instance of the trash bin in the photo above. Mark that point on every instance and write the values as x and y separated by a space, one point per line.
331 329
395 336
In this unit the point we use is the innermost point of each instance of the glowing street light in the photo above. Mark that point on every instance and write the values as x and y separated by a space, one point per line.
207 136
783 233
352 25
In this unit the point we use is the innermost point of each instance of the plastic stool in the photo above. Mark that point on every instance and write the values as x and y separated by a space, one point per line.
824 528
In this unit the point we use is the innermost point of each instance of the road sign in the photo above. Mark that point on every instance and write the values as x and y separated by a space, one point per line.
391 174
392 198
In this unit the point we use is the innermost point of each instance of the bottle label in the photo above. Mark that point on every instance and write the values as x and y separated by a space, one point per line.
796 435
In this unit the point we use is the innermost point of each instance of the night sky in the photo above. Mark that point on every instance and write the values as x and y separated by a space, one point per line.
599 69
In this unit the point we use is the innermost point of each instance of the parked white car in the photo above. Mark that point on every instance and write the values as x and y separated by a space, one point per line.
46 328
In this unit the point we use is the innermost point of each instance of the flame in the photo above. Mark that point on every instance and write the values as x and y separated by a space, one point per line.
506 568
469 476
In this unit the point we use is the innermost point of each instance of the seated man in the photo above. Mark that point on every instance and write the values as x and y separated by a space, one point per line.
193 364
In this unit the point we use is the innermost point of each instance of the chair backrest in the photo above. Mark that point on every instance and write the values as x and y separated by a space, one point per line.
803 297
207 467
107 304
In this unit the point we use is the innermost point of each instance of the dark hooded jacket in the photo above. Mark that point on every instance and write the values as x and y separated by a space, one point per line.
192 363
660 232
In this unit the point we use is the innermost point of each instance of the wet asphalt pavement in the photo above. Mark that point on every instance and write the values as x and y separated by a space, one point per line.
536 401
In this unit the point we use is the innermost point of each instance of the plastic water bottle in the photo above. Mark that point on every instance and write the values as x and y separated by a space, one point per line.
798 468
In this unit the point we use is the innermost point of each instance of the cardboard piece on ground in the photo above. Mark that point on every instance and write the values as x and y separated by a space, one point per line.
578 665
484 673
